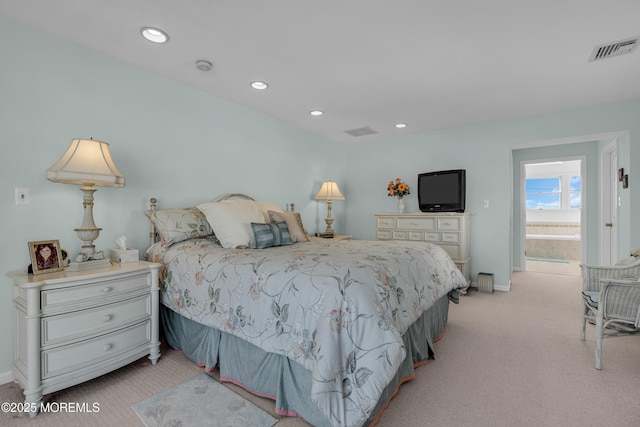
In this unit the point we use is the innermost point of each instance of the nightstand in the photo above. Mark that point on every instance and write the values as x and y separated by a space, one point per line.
335 237
75 326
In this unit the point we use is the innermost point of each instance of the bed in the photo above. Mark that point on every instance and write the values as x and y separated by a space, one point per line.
328 329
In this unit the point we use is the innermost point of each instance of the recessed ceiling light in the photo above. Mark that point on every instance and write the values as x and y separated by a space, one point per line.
154 35
316 113
259 85
401 125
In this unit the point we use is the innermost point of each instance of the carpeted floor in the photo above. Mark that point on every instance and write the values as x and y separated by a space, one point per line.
506 359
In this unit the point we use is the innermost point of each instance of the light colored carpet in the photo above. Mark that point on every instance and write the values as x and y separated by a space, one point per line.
507 359
201 398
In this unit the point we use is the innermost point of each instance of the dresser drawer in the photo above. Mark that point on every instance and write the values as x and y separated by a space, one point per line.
384 235
451 237
400 235
432 237
452 250
448 224
85 323
386 223
74 297
73 357
417 223
416 235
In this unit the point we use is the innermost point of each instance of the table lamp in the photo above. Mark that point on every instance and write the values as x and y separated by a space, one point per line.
329 192
87 162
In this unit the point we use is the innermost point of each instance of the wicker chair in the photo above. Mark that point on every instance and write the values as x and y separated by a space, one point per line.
611 299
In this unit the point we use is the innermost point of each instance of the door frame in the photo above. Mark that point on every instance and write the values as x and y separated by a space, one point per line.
523 204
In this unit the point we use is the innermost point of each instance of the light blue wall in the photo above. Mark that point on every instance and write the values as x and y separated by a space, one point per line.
170 141
184 146
485 151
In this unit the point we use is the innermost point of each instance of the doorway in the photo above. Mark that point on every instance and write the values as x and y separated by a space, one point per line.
553 190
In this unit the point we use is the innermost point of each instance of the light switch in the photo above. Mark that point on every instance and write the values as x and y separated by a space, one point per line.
485 204
22 196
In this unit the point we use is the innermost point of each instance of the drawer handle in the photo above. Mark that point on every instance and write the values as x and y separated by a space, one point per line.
107 289
107 318
107 347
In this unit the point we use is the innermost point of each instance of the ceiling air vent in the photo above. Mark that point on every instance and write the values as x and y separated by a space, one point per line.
361 131
608 50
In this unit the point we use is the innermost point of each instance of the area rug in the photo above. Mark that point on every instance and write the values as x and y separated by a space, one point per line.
198 402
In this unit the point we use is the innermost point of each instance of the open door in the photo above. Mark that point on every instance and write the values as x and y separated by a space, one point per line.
553 221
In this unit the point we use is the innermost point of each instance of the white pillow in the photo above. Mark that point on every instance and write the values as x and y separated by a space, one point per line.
231 221
265 207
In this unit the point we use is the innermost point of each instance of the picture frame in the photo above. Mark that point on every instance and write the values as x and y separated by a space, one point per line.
620 174
625 181
46 256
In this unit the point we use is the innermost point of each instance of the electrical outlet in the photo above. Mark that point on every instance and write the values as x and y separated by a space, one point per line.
22 196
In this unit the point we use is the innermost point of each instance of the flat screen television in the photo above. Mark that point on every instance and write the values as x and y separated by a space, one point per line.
442 191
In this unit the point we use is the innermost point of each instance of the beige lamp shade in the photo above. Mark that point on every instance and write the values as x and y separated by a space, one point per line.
329 191
86 161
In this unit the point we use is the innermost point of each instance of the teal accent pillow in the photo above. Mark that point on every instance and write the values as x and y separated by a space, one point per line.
272 234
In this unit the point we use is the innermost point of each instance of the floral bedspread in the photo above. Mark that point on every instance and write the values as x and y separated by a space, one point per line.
339 308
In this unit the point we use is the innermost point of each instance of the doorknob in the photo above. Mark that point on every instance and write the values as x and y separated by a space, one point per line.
608 224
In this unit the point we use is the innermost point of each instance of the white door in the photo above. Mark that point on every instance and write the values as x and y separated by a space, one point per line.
609 203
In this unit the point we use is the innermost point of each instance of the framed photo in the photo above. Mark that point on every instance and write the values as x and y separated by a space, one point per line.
620 174
46 256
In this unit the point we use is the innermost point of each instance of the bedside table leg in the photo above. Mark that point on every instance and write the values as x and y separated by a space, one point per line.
154 353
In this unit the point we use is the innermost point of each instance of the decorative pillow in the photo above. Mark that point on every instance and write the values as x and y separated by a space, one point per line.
265 207
176 225
231 221
271 234
294 223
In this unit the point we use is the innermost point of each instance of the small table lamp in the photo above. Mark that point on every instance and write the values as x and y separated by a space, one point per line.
329 192
88 163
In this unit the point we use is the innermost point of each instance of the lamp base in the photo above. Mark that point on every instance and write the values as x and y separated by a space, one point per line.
88 265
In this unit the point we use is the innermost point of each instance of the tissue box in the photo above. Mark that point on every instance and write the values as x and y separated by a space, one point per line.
124 255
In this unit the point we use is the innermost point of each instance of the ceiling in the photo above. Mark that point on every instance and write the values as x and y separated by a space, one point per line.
432 64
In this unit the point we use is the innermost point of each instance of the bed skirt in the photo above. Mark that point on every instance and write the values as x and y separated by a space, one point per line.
281 379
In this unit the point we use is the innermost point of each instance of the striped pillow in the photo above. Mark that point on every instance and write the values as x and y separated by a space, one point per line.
272 234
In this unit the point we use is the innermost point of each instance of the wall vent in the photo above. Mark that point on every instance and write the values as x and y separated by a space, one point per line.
618 48
361 131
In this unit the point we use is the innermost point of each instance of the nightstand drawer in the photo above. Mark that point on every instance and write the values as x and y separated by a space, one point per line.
70 297
85 323
73 357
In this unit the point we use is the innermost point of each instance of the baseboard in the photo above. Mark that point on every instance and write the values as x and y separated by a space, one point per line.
6 377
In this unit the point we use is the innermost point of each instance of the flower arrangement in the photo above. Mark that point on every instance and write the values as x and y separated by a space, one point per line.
398 189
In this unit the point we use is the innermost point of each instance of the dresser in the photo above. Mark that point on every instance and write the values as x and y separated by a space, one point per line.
450 231
75 326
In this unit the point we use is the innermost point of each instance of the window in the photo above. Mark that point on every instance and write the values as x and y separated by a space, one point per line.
575 192
563 192
543 193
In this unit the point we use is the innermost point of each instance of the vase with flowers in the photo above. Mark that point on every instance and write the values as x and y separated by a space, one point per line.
398 189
